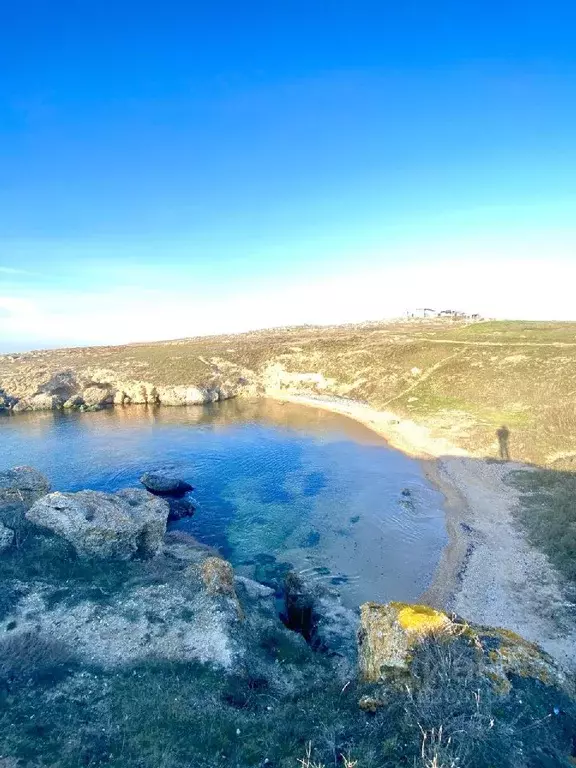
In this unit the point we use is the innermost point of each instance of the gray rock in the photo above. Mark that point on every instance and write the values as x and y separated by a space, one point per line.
6 400
172 616
180 508
62 385
253 589
19 489
6 537
318 615
163 483
186 395
22 484
119 526
43 401
97 397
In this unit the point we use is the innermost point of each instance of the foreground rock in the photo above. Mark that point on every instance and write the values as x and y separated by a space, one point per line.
119 526
390 637
319 616
388 633
183 605
165 484
23 484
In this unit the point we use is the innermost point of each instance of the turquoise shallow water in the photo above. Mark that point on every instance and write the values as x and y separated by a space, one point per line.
276 485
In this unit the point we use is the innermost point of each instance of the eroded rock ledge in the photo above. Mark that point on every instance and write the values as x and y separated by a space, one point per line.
99 389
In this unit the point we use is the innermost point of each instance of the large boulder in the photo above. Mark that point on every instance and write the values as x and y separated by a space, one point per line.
186 395
119 526
165 484
95 397
388 632
43 401
22 484
392 636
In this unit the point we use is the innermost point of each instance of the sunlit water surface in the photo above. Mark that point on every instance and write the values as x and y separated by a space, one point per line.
277 486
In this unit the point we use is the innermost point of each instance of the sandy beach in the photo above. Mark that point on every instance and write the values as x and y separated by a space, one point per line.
488 572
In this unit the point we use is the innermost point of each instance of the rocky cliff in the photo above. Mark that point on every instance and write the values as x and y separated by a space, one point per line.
125 644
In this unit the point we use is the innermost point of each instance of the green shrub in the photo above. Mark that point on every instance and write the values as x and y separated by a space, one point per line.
548 514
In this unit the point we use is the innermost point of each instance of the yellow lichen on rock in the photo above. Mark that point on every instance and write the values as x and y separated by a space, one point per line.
388 632
218 576
511 654
421 618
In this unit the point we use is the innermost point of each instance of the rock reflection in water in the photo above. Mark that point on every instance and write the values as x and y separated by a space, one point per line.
277 486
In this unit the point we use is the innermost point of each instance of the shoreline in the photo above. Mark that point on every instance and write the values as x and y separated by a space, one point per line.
414 440
488 572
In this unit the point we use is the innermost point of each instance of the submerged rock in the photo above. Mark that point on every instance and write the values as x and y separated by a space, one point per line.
179 508
165 484
120 526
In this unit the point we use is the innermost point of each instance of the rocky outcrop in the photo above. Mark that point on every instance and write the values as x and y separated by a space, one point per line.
135 392
165 484
185 395
96 397
318 615
22 484
120 526
40 402
183 605
6 537
96 389
391 636
388 632
6 401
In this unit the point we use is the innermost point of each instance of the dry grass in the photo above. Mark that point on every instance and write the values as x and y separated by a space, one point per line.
462 381
308 761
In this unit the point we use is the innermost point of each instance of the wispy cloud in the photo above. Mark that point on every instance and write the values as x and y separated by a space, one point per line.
13 271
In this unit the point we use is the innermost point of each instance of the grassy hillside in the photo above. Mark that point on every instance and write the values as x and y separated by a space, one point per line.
462 381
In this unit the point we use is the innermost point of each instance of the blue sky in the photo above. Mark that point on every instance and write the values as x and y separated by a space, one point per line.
237 165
